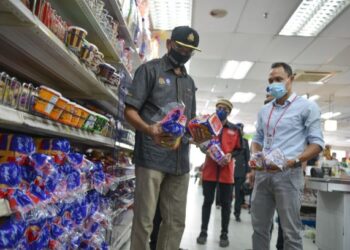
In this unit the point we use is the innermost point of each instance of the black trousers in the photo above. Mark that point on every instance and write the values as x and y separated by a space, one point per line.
239 195
209 188
279 243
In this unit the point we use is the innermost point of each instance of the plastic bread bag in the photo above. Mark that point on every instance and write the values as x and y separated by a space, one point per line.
19 201
257 161
11 233
15 148
75 160
37 235
10 175
173 122
275 158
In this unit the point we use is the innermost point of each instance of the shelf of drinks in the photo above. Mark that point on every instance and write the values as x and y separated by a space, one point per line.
80 14
31 50
24 122
116 12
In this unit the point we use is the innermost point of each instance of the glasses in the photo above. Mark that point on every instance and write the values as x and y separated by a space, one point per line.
183 50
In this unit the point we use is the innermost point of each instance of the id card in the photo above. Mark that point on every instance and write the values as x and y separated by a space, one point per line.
269 141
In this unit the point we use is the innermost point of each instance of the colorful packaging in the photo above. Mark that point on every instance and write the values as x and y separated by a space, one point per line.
10 175
57 147
15 148
215 151
206 125
11 232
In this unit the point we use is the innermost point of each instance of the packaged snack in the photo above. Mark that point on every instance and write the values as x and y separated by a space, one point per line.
19 201
46 100
75 37
37 234
58 108
67 114
83 117
10 175
57 147
267 160
215 151
11 232
76 115
206 125
15 148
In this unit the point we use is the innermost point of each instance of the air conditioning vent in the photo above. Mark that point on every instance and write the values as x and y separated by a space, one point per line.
312 76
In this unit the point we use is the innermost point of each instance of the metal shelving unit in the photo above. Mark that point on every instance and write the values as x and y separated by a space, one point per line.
32 50
25 122
124 145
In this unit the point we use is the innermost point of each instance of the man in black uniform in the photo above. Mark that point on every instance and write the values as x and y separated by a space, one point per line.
242 157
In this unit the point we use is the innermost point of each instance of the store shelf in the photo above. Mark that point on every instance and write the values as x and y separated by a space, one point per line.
80 14
124 145
30 49
21 121
4 208
306 204
116 12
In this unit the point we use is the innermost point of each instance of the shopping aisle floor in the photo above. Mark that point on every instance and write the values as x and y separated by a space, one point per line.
239 232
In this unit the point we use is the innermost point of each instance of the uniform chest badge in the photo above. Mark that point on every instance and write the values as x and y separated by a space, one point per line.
164 81
161 81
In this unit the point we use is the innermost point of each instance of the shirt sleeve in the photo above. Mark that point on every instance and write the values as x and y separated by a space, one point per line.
259 135
313 125
140 88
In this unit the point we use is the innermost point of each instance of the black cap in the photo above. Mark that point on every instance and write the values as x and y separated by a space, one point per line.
185 36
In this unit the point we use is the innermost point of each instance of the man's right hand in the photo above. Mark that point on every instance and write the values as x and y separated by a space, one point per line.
156 132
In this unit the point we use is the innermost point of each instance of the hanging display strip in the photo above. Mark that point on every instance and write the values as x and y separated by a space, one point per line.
32 42
21 121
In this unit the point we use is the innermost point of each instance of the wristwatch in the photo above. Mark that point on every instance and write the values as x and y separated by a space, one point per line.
297 163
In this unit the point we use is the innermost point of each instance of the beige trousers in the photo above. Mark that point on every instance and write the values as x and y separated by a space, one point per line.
172 192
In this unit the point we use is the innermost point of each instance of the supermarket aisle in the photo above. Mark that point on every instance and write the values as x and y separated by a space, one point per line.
239 233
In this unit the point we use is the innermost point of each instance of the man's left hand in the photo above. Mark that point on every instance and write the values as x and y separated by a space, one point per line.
290 163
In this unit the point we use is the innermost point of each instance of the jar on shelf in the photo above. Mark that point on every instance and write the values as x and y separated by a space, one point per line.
58 108
75 37
12 93
67 114
46 100
83 117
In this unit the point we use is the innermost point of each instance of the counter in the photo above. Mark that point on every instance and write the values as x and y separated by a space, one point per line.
333 212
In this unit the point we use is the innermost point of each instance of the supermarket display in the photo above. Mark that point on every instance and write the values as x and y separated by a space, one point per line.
57 194
38 177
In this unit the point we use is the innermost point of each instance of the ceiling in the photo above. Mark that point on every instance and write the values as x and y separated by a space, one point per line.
244 34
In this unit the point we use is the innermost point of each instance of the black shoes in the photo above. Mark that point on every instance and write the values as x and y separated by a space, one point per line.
238 219
224 240
202 238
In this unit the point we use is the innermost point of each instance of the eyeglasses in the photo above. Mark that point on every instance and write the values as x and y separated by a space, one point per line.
223 108
182 49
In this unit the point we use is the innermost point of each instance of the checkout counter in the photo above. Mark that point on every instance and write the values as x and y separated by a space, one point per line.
333 212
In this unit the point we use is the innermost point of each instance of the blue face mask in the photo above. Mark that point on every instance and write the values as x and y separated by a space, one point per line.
222 114
277 89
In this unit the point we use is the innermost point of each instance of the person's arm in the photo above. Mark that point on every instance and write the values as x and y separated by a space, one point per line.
132 116
314 135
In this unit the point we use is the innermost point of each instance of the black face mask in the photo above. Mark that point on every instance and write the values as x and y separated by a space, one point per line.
177 59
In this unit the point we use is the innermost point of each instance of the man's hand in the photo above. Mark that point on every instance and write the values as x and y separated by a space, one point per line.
250 178
226 160
156 132
200 135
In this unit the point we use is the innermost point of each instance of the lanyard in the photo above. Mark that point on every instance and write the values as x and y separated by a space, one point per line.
268 122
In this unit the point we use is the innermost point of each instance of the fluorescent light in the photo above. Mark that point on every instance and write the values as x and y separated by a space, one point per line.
313 16
229 69
329 115
316 83
166 15
235 69
347 140
212 89
242 97
207 104
314 97
330 125
242 70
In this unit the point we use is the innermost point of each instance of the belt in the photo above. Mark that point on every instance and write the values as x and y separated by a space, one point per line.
275 169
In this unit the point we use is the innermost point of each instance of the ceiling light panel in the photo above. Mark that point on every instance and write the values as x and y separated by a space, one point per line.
235 69
329 115
242 97
312 16
166 15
